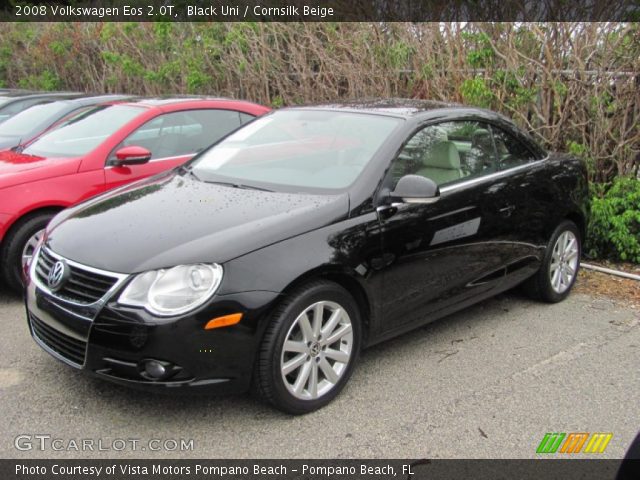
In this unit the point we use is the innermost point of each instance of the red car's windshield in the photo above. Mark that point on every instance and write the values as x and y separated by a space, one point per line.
85 133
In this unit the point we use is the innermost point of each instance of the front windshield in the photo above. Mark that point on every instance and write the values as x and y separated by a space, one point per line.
25 122
85 133
298 148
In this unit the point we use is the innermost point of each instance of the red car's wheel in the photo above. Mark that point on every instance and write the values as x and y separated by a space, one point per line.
19 247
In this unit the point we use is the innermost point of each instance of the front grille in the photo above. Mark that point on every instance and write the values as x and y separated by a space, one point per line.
83 286
70 349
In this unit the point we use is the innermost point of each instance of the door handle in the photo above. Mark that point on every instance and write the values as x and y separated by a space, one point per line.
508 210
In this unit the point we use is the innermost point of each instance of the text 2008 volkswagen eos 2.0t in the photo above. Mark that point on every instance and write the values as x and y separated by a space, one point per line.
270 260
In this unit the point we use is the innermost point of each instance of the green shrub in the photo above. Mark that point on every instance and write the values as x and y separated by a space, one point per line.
46 80
614 227
475 91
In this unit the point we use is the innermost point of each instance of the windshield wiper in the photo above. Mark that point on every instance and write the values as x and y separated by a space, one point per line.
189 171
238 185
244 186
19 147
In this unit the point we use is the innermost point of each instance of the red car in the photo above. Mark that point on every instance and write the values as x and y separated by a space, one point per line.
112 144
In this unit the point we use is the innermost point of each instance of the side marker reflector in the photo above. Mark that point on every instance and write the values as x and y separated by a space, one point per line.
223 321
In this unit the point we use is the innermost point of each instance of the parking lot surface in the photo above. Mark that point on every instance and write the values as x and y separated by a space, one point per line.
488 382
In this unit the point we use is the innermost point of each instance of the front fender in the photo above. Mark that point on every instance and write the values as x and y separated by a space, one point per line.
349 250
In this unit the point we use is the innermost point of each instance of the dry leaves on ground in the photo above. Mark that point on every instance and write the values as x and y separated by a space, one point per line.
604 285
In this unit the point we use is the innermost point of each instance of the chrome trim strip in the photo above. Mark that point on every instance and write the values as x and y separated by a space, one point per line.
66 309
88 310
491 176
453 212
73 263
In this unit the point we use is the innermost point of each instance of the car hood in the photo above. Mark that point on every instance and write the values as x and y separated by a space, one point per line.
17 168
174 219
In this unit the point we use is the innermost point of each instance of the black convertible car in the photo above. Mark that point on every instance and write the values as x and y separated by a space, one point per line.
272 258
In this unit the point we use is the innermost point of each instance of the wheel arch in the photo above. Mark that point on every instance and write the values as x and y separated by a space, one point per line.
580 221
26 216
346 280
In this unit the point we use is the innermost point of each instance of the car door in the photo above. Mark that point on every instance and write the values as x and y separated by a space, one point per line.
531 199
444 254
172 138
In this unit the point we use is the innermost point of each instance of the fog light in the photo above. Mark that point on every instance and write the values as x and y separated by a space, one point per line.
158 370
155 369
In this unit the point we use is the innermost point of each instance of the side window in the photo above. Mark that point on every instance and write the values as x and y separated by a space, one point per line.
182 133
215 125
447 153
511 152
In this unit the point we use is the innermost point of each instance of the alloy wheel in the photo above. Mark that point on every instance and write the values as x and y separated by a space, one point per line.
317 350
30 248
564 262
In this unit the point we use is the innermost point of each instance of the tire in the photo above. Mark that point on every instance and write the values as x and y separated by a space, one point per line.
273 384
14 245
544 285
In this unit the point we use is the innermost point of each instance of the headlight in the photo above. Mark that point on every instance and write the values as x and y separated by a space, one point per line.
173 291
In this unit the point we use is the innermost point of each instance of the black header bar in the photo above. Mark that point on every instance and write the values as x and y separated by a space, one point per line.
321 10
415 469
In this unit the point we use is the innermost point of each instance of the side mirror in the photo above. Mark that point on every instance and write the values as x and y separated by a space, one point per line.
416 189
132 155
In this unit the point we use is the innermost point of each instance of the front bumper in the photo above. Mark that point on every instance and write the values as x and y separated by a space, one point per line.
114 342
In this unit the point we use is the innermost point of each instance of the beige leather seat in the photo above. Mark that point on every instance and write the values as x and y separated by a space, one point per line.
481 157
441 163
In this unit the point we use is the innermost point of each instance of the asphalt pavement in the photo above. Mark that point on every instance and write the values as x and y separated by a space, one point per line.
488 382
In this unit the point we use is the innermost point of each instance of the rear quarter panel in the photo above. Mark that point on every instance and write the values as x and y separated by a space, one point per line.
567 185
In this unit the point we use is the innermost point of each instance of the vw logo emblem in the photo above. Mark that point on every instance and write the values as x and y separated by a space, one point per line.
57 275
